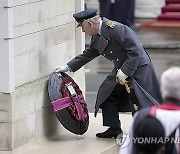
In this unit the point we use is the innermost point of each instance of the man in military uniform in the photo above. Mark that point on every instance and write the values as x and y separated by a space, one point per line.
132 68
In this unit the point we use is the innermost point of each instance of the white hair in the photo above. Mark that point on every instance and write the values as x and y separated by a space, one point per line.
94 19
170 83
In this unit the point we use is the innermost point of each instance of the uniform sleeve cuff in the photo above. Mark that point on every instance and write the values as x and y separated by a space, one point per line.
123 76
68 68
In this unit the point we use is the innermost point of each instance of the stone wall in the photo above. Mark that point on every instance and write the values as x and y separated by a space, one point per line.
44 36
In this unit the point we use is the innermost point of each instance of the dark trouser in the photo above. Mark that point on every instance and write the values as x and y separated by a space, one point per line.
105 8
123 12
126 11
111 106
109 10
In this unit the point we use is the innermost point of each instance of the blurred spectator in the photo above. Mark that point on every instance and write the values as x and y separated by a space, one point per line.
126 12
118 10
167 113
151 129
108 9
170 84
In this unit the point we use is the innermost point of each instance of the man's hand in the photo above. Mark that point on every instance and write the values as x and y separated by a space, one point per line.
121 79
120 75
61 69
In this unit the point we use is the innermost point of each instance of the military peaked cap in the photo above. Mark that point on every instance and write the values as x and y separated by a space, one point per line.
84 15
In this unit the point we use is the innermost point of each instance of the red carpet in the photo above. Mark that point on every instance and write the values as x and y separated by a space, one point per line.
171 8
170 16
172 2
165 24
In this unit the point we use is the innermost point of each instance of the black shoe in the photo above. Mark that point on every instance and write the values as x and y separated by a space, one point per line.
110 133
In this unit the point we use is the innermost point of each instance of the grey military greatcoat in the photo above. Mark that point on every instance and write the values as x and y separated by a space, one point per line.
119 44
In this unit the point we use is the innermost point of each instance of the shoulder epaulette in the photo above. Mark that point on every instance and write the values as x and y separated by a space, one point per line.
111 24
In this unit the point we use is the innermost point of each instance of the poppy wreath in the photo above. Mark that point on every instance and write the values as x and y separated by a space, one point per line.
74 103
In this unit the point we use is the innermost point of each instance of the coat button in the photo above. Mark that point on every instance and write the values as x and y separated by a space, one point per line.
117 59
110 51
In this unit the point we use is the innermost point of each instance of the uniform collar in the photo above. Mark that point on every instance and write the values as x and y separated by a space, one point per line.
105 29
104 37
100 27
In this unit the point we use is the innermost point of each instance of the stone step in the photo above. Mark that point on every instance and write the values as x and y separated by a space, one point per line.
170 8
169 16
64 142
172 2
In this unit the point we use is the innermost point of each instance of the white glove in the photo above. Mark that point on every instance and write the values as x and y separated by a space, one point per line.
120 75
61 69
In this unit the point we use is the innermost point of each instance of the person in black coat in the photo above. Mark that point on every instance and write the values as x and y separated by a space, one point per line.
108 9
118 10
146 132
125 14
